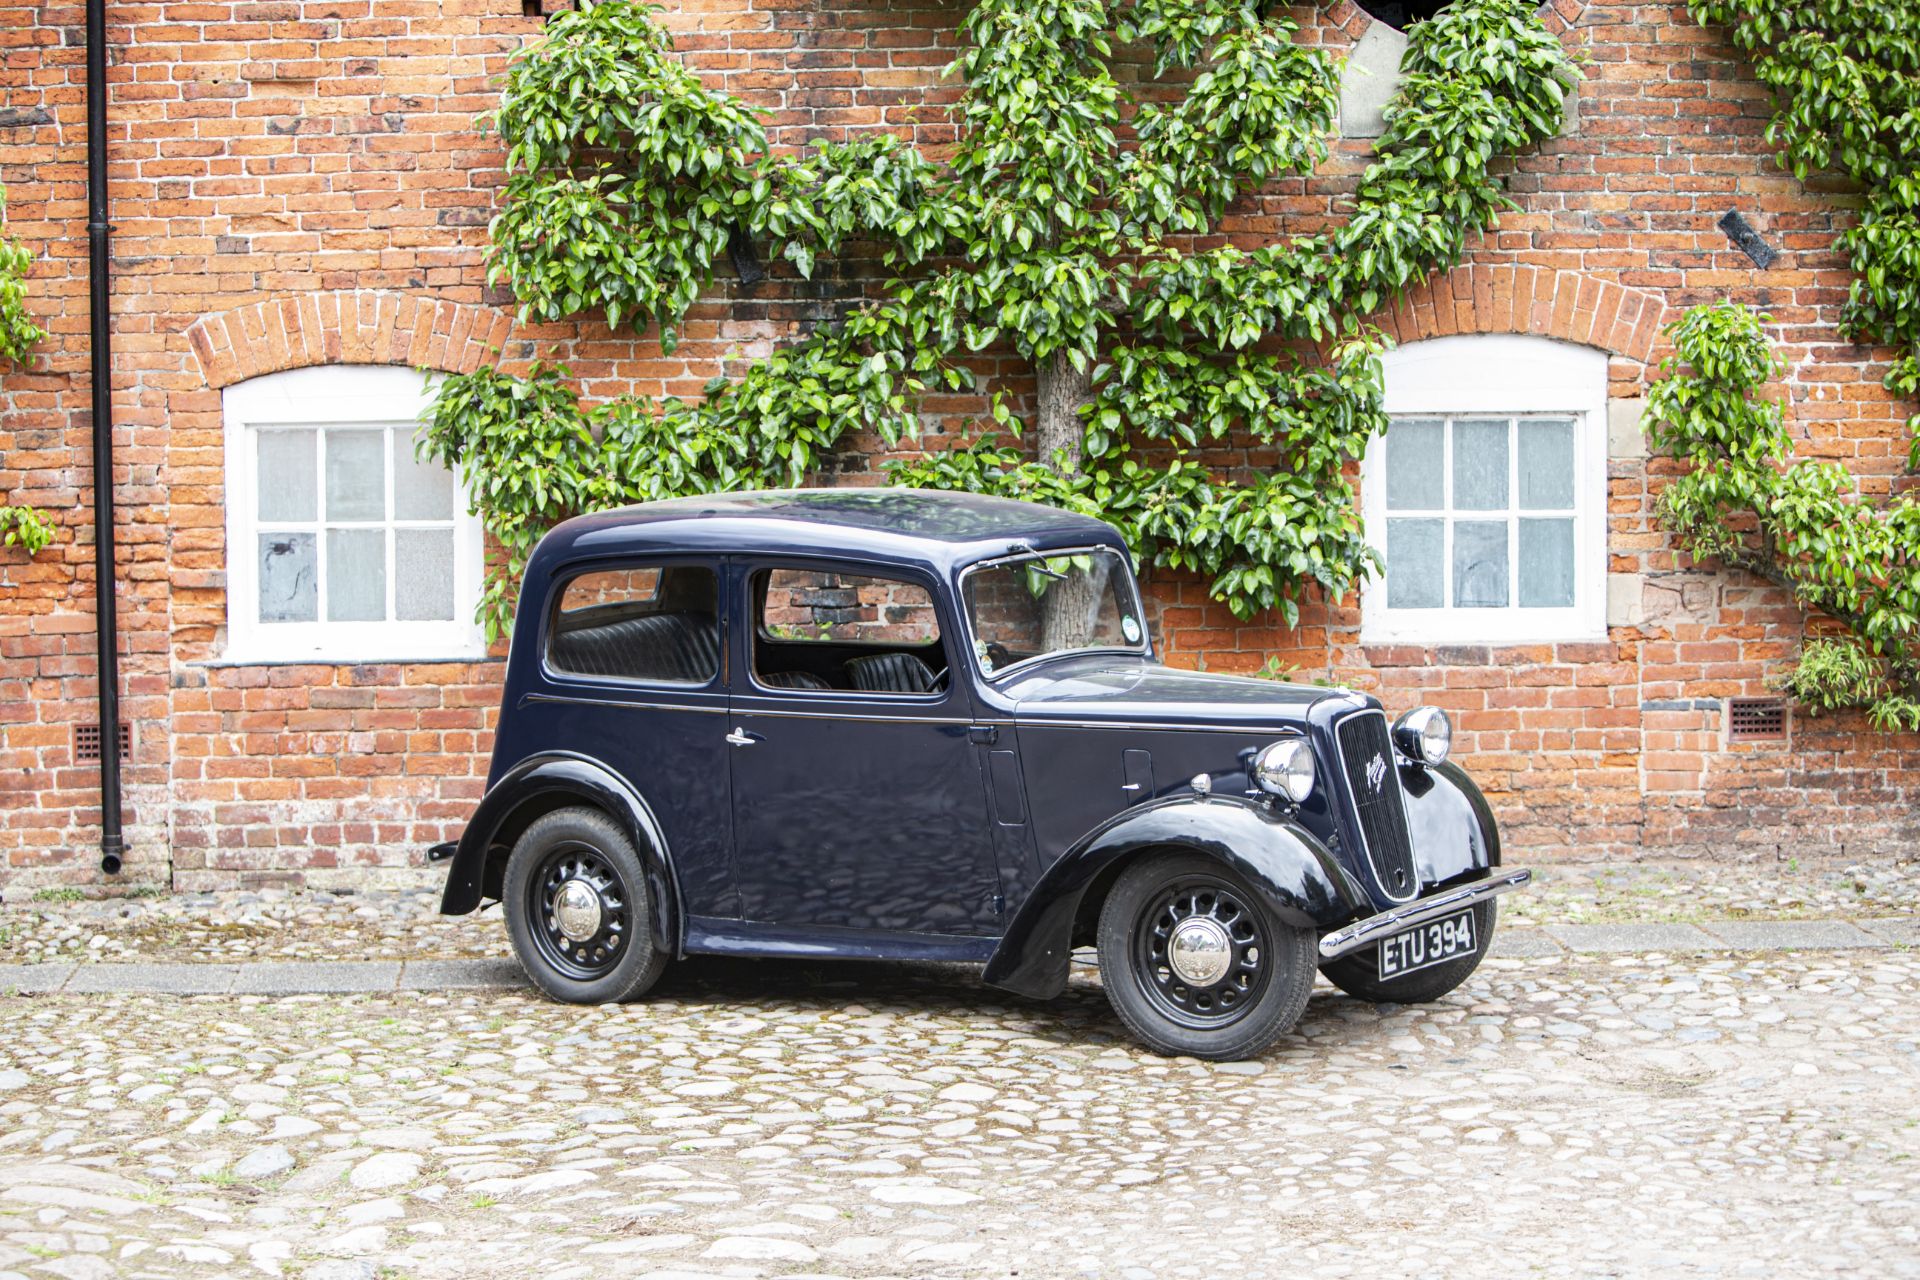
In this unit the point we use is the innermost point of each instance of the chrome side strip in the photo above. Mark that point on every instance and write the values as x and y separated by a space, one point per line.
1352 937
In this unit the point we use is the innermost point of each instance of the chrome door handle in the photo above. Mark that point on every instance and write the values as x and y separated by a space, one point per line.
741 738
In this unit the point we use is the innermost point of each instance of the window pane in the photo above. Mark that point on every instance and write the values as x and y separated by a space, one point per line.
1480 564
356 575
1414 478
1480 464
1546 464
289 588
1413 564
423 575
845 608
1029 606
285 476
639 624
422 490
356 477
1546 564
820 631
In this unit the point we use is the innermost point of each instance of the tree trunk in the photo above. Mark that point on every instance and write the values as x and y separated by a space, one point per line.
1063 389
1068 609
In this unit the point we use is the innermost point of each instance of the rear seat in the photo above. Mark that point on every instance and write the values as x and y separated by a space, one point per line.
682 647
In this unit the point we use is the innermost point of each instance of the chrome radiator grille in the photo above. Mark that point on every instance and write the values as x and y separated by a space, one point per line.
1373 787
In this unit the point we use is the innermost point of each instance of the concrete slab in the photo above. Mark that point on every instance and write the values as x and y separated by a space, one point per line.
169 979
1610 938
34 979
1524 944
449 975
317 977
1901 931
1785 935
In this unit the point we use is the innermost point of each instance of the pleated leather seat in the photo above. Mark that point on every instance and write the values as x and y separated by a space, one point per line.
793 680
683 647
890 673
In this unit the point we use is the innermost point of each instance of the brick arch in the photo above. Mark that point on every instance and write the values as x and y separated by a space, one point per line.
345 327
1570 305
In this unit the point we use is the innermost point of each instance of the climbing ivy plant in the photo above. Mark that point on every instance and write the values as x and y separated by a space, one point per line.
1798 524
19 526
18 333
1070 225
1846 90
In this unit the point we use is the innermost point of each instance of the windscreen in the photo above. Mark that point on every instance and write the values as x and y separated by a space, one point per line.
1027 607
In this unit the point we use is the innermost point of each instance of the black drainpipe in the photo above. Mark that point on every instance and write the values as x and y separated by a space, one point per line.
107 638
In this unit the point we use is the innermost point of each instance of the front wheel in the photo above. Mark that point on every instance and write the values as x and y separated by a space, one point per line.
577 910
1194 963
1359 974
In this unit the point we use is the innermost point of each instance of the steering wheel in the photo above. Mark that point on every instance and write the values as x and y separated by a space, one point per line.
939 681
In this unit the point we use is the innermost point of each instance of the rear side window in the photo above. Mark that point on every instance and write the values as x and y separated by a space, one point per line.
651 623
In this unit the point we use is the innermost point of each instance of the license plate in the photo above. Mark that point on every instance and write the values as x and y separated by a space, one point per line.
1432 943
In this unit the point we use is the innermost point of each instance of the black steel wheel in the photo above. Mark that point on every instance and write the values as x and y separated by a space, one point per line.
1194 962
577 911
1180 976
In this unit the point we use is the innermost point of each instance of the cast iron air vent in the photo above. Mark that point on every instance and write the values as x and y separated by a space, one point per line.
86 742
1756 719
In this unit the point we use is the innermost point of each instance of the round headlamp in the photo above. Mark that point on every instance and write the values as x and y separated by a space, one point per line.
1285 769
1424 735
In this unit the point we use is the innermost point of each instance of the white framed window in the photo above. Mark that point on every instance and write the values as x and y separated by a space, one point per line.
1487 496
341 545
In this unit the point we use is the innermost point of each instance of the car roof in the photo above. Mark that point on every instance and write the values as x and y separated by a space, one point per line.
923 527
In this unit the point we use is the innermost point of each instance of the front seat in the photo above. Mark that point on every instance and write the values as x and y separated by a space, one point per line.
890 673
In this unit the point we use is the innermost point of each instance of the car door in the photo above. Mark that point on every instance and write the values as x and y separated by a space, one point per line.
858 801
632 665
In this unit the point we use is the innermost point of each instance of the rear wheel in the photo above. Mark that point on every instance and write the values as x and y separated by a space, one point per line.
1359 974
577 909
1193 962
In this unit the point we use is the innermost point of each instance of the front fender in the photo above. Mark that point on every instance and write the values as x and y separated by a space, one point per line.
1452 826
548 781
1301 882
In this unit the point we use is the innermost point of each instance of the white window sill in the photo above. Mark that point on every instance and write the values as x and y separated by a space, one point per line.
343 659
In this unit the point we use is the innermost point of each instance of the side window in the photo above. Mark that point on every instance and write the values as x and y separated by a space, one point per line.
651 623
819 631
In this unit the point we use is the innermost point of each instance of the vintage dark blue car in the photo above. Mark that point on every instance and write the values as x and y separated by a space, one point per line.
884 723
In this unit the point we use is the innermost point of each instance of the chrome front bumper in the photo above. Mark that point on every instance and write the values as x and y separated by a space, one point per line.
1352 937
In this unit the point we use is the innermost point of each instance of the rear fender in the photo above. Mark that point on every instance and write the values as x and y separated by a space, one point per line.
549 781
1299 880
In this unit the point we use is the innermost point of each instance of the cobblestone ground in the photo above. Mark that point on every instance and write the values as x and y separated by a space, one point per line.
1642 1115
43 925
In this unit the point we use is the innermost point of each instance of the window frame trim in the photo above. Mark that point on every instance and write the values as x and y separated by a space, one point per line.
1510 376
322 397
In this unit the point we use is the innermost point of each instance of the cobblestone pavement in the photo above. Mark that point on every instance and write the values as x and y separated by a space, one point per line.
46 925
1572 1115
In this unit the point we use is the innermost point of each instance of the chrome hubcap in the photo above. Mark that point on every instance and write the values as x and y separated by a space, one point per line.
576 910
1200 952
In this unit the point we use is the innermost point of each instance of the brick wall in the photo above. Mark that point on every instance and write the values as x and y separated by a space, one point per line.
300 182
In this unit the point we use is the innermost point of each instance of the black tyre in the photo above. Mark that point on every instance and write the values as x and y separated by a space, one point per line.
1195 964
1359 974
577 909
